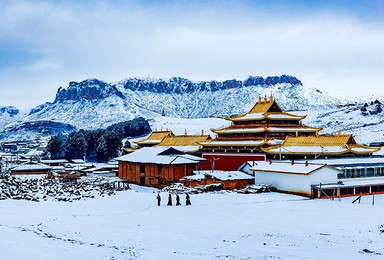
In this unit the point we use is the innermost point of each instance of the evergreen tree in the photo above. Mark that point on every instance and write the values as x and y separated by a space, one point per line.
97 145
56 146
114 144
101 150
75 146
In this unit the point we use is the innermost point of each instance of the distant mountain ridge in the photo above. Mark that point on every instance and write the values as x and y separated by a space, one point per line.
94 103
178 85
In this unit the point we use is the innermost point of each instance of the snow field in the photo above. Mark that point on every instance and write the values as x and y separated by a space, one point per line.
228 225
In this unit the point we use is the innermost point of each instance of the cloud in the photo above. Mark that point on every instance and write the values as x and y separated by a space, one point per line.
56 42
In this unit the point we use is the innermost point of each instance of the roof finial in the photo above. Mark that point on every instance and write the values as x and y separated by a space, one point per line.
185 131
265 98
259 99
167 129
202 132
156 129
161 129
271 97
339 133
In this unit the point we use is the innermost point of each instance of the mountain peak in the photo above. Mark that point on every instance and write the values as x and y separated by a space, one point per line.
179 85
89 89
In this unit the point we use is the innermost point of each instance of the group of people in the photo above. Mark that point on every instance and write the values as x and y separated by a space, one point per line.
187 200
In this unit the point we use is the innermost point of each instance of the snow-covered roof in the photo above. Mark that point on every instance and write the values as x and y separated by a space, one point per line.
54 161
250 116
78 161
34 153
186 149
218 174
31 167
234 143
293 129
156 141
319 150
232 129
160 155
348 162
288 167
355 183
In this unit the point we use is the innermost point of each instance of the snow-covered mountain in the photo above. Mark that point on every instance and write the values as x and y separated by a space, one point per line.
8 115
93 103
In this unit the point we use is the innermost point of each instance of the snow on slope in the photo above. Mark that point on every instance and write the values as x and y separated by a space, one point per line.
93 103
90 114
365 122
216 226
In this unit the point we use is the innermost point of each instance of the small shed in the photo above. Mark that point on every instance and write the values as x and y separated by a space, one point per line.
296 178
229 179
157 166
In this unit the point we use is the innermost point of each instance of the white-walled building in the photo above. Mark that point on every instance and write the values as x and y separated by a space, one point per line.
296 178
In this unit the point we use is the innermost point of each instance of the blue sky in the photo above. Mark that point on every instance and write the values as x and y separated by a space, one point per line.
336 46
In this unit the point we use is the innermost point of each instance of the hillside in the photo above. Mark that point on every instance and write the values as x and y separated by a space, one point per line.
93 103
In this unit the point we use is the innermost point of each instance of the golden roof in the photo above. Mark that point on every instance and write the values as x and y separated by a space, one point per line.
265 106
327 144
322 140
155 137
266 109
184 140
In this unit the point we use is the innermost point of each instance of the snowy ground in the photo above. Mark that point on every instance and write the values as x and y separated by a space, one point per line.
229 226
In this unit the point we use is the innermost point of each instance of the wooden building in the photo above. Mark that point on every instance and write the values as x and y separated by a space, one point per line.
157 166
31 168
229 179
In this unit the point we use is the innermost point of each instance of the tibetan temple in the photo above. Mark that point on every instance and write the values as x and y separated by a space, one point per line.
267 131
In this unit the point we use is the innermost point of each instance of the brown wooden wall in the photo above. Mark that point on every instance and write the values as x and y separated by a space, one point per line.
227 185
155 175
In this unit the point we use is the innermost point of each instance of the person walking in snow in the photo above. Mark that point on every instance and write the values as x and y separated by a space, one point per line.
187 200
178 200
169 200
158 199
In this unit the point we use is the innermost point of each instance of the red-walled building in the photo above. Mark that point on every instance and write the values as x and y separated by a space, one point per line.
229 161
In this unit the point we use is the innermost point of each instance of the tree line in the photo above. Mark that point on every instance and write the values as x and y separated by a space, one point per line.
98 145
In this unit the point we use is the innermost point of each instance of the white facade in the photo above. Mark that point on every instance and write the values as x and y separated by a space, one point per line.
289 178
